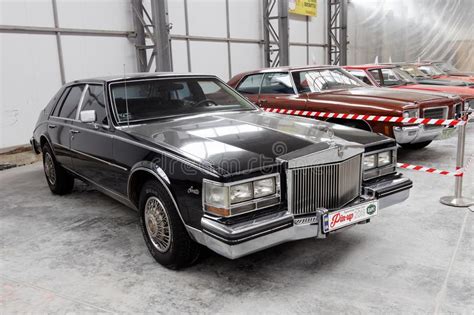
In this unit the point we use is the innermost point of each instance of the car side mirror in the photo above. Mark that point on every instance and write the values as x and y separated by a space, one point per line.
87 116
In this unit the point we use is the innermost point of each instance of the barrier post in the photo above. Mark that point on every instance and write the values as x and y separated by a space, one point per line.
458 200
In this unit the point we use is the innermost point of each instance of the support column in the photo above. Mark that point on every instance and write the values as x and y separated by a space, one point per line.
159 13
140 44
58 43
337 32
276 43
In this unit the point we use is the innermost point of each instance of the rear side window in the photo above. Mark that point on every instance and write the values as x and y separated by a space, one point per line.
251 84
277 83
58 106
94 100
69 106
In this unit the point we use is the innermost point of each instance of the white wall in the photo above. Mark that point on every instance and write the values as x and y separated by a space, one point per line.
29 63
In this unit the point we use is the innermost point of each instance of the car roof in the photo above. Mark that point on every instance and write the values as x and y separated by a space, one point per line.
371 66
284 69
140 75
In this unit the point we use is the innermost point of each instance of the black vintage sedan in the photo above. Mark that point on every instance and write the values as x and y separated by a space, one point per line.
204 166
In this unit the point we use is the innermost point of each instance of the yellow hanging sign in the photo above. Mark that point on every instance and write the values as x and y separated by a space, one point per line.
303 7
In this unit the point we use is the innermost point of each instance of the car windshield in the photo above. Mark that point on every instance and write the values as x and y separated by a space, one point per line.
324 79
445 66
431 70
413 71
160 98
403 76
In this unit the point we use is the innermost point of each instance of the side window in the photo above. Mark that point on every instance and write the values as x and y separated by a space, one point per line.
69 106
59 104
376 75
277 83
361 75
250 84
94 100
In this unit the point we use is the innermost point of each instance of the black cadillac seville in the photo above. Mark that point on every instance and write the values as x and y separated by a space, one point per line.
204 166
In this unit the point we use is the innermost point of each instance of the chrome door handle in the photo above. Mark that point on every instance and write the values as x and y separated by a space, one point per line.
74 131
52 126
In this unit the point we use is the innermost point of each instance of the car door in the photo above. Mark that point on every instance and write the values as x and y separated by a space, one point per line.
60 123
91 142
277 91
250 86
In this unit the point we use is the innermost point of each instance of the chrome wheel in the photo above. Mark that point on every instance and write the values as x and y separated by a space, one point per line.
49 169
157 224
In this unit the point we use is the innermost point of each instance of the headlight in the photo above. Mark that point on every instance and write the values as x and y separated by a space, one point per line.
230 199
411 113
264 187
385 158
217 199
379 164
241 192
369 162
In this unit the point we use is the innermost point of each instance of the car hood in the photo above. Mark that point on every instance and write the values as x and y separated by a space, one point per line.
236 142
380 95
442 82
465 92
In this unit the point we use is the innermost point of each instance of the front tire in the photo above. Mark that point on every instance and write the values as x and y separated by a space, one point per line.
162 228
60 182
415 146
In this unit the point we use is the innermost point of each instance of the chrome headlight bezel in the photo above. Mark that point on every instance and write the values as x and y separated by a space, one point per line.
411 113
242 196
385 161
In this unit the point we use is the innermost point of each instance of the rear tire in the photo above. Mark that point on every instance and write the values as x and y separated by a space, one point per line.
60 182
415 146
165 234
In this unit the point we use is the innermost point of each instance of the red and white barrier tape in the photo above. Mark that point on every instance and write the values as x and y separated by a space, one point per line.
459 172
392 119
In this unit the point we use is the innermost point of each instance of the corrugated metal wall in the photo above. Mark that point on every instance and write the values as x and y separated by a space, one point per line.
406 30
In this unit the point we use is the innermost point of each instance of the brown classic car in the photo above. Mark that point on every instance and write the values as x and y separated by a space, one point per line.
332 89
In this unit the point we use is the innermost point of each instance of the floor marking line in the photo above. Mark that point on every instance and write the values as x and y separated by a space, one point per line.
442 293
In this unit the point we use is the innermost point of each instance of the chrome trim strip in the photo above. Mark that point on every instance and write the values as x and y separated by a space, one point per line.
115 195
96 158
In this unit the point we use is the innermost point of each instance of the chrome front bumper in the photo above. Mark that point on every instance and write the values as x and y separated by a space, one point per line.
415 134
237 240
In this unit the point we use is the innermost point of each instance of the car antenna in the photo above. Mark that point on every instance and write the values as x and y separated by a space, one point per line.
126 96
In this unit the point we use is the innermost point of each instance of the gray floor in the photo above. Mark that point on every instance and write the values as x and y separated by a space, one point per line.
84 253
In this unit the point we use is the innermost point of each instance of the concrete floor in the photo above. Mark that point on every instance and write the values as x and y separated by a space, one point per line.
84 253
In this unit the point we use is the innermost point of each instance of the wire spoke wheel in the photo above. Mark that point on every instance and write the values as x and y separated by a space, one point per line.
157 224
49 169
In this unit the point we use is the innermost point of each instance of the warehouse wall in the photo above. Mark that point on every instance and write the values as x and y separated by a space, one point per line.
30 72
406 30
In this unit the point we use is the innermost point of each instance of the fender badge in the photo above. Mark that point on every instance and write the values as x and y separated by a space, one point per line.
192 190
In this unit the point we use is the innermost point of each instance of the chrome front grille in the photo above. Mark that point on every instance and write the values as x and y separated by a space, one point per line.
326 186
436 113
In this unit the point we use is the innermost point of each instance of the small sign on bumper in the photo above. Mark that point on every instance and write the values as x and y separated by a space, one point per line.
348 216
